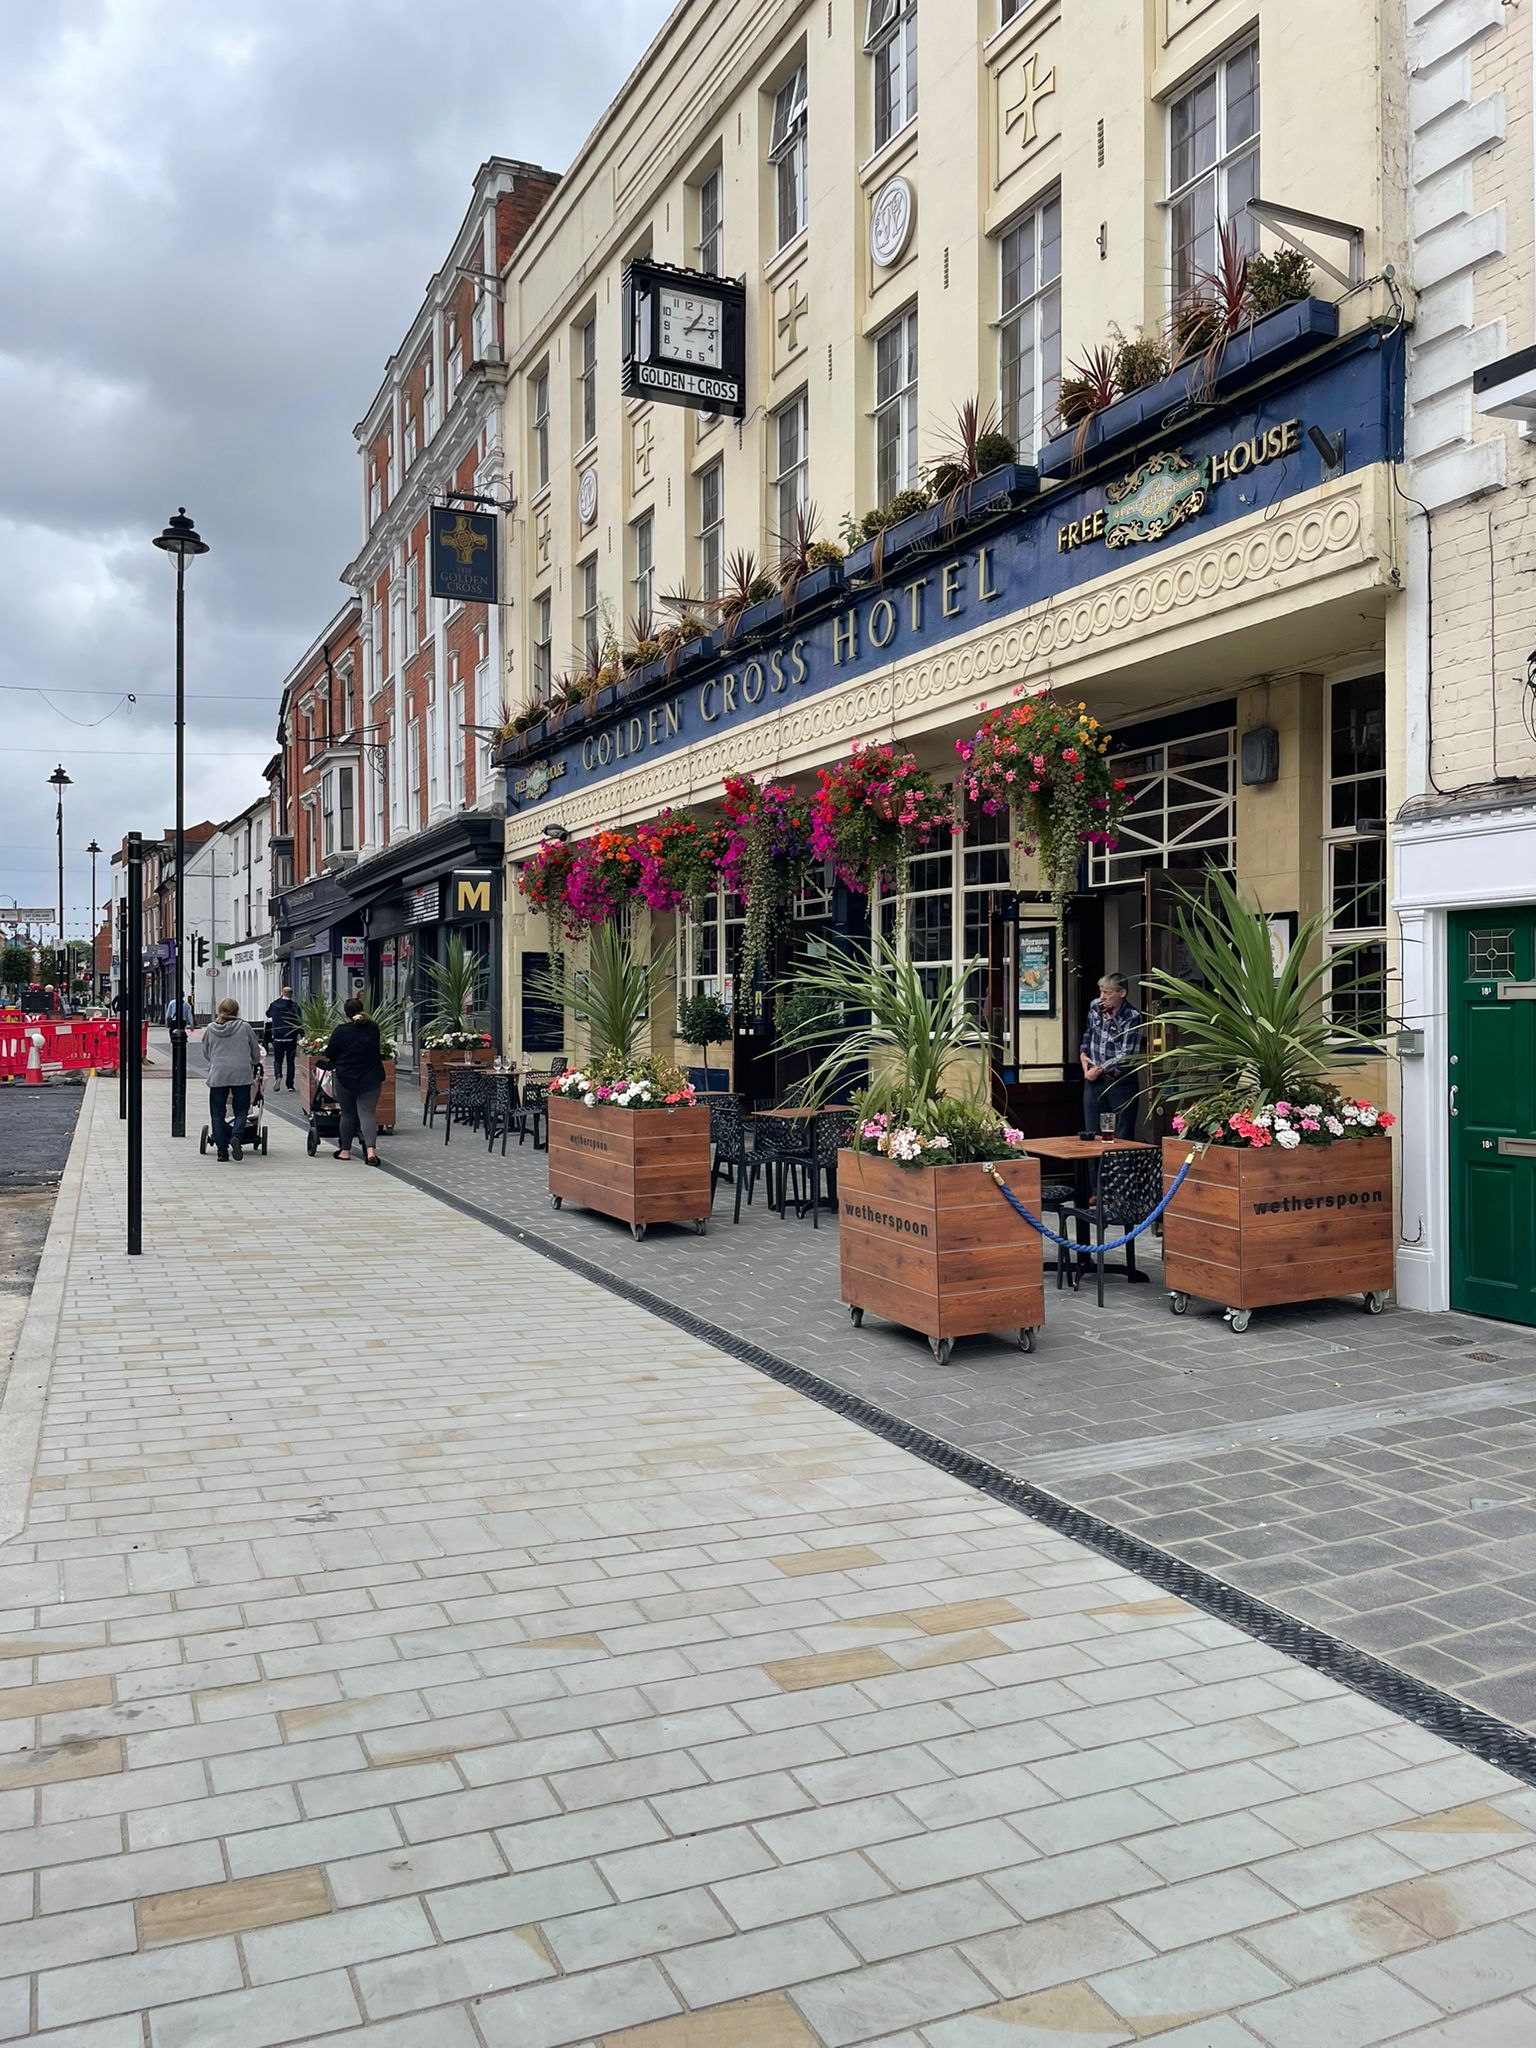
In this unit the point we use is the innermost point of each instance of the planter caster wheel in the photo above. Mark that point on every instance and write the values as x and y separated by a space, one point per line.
1375 1302
637 1231
856 1317
941 1347
1026 1340
700 1225
1240 1318
1178 1304
555 1201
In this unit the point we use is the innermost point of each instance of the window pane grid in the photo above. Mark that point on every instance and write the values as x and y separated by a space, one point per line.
791 474
588 380
645 570
787 153
896 407
891 40
710 232
1181 809
1357 861
1213 164
711 528
1029 339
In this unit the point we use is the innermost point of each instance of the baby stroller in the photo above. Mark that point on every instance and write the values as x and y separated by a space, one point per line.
254 1137
323 1112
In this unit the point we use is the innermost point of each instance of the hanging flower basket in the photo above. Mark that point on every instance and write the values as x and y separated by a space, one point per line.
1044 763
764 852
870 810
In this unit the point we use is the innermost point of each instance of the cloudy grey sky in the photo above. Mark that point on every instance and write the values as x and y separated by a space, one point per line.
219 221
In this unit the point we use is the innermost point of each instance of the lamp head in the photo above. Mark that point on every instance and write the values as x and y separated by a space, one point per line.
181 537
93 849
60 780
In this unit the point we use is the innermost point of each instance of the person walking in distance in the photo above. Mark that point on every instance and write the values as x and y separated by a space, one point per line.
283 1029
1110 1049
356 1061
233 1054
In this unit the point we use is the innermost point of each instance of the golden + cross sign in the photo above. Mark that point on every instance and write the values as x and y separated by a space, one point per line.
465 540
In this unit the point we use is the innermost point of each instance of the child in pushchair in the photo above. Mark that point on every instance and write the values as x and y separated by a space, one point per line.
323 1112
252 1137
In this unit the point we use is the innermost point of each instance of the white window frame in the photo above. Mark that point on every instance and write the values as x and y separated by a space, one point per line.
586 378
710 484
1339 839
710 246
791 478
1029 325
643 583
378 808
412 604
964 870
588 611
1232 176
1197 829
890 42
413 771
789 154
541 429
346 809
327 816
456 773
895 414
434 754
542 660
708 949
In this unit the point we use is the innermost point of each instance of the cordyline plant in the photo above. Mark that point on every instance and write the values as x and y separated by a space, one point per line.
457 983
1241 1038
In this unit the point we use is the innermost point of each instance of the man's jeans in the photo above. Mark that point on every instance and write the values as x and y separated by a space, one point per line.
1116 1095
283 1050
226 1128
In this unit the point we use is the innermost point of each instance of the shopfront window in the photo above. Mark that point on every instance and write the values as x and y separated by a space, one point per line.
942 919
1181 809
709 948
1356 844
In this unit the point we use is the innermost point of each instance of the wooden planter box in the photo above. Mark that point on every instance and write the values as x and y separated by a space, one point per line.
643 1166
439 1062
939 1249
1256 1229
304 1082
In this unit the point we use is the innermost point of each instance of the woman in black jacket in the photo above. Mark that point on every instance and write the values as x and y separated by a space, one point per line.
357 1074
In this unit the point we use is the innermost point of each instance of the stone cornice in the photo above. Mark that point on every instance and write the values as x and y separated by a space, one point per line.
1180 595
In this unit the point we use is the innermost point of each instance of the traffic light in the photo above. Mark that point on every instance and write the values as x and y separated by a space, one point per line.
199 951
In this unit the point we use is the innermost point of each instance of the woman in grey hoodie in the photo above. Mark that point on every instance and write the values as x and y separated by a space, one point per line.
233 1055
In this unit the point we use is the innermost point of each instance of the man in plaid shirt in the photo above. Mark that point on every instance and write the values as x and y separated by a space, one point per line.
1108 1055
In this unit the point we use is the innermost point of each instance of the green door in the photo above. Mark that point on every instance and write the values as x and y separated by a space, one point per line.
1492 983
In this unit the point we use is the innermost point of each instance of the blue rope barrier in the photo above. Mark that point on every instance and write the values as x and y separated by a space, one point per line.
1081 1245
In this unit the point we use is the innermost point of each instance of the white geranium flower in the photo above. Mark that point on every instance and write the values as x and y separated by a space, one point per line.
1368 1117
1287 1138
1332 1123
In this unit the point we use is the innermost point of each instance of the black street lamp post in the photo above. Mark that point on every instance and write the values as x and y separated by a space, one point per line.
93 850
181 539
60 781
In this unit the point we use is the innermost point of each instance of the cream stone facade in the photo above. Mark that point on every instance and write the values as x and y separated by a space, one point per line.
1043 213
1465 835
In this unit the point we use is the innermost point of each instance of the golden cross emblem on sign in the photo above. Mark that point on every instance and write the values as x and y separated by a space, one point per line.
1023 113
465 540
796 306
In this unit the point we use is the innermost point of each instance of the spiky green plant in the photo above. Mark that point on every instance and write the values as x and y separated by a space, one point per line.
613 993
319 1016
1232 1023
389 1014
457 984
869 1011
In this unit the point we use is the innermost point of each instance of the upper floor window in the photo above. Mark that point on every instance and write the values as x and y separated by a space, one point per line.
586 378
645 572
543 645
1029 327
346 811
541 430
413 771
711 528
1213 166
412 605
890 37
711 244
787 153
375 492
1010 10
896 406
587 617
791 464
456 747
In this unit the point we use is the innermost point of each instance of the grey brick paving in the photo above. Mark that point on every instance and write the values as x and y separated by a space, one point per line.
1372 1475
503 1666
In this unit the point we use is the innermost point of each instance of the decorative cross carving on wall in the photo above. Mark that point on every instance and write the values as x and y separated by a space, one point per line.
1023 114
645 442
796 306
545 537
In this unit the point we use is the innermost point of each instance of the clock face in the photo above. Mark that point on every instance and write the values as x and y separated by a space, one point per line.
690 326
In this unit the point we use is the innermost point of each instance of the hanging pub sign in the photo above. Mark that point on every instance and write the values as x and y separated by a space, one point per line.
463 555
685 338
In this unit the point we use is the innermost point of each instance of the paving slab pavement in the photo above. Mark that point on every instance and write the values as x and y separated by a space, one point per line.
1375 1476
410 1643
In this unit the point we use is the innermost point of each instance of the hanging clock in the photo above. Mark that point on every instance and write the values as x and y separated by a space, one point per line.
685 337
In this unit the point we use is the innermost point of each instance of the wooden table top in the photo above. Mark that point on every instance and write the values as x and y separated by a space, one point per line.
794 1115
1076 1147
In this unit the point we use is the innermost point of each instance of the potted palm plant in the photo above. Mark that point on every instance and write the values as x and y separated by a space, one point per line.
452 1038
1289 1197
925 1237
625 1135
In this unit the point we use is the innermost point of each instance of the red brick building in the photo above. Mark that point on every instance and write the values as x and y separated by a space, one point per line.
318 784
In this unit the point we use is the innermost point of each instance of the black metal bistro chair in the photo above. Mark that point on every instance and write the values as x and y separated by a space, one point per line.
501 1108
558 1065
832 1129
466 1099
1130 1188
785 1149
431 1101
731 1157
530 1116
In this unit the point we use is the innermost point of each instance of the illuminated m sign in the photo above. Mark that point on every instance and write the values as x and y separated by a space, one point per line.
472 894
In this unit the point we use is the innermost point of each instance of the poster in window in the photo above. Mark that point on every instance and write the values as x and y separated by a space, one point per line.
1282 936
1037 970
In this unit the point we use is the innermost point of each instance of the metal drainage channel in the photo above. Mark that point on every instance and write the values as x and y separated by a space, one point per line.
1482 1735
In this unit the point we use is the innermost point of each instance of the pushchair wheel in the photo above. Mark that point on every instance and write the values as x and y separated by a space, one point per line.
202 1143
312 1144
263 1144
